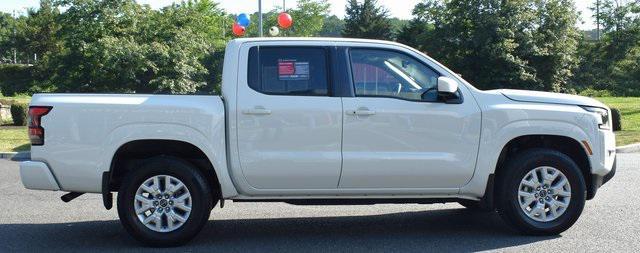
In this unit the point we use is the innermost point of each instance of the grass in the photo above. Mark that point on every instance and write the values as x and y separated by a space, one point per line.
17 99
630 109
14 139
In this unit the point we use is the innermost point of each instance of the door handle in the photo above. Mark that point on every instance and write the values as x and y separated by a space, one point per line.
362 112
258 110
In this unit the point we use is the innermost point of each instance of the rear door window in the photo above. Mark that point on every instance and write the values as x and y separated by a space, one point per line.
289 71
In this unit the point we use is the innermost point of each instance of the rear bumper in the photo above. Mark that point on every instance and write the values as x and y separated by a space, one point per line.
37 176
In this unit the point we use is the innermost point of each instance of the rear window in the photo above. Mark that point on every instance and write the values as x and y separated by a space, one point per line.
291 71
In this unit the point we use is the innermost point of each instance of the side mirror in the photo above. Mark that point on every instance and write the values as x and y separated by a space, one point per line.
447 85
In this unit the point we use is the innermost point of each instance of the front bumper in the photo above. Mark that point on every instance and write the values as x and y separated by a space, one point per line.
597 181
37 176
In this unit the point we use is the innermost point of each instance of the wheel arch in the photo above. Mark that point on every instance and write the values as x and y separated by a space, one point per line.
131 153
571 147
210 145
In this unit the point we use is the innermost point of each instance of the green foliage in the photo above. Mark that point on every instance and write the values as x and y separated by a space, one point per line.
613 62
14 139
36 37
367 20
332 27
12 44
6 42
308 19
15 78
628 107
19 113
616 15
555 42
22 98
499 44
214 62
590 92
120 46
397 25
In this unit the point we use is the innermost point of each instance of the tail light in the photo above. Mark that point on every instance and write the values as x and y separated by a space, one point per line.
36 131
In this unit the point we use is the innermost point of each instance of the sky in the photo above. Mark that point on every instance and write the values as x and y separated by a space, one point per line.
402 11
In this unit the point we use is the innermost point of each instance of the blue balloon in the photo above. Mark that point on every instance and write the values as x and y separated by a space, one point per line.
243 20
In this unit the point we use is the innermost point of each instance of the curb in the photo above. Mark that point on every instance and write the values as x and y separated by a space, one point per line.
633 148
16 156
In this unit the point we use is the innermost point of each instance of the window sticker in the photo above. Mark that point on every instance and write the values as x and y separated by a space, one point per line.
292 70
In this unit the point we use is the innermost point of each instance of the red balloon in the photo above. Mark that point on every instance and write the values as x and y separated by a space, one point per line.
238 30
284 20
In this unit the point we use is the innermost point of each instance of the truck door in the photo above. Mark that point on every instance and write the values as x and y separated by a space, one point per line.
397 131
289 127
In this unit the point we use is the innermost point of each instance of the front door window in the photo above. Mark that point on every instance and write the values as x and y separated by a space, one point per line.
390 74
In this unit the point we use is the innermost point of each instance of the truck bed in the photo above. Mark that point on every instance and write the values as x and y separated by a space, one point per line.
82 131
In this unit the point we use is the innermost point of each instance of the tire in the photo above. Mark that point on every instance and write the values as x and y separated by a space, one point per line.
200 202
509 199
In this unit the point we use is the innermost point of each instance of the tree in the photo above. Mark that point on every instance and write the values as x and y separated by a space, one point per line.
332 27
499 44
202 17
397 25
308 19
614 15
367 20
38 36
6 37
555 41
612 62
422 26
94 33
477 39
12 40
199 28
120 46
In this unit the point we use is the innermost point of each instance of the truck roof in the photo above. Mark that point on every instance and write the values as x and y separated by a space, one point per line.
327 39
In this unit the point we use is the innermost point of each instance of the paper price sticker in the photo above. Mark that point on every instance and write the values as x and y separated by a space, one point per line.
291 70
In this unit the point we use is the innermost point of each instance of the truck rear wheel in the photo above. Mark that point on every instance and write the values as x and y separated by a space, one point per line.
164 202
542 192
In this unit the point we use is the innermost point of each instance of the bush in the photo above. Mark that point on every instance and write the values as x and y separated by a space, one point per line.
616 119
590 92
15 78
19 113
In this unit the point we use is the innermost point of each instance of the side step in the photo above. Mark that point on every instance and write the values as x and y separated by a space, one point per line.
71 196
332 202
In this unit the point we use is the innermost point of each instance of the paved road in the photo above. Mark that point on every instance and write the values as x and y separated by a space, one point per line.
33 220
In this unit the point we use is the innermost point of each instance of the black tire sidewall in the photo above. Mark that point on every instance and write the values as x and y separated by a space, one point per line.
195 183
523 164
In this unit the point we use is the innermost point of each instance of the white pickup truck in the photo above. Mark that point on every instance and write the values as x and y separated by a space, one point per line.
323 122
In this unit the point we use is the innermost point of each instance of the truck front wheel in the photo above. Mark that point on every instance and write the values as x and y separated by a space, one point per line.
164 202
542 192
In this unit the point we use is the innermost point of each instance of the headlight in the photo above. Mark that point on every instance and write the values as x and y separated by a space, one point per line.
603 115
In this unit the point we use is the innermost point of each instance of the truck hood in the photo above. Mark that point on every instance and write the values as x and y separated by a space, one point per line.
550 98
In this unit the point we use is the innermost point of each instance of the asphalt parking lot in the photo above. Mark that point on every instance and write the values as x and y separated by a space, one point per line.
35 221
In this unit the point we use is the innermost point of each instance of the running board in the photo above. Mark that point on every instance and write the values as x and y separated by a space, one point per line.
71 196
337 202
